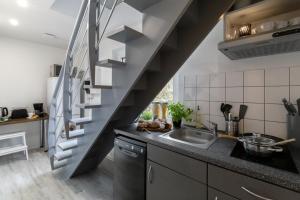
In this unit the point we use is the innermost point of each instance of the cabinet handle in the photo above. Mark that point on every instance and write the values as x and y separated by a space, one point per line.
255 195
150 174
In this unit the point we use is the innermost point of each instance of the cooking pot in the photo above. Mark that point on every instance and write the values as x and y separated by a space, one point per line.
260 145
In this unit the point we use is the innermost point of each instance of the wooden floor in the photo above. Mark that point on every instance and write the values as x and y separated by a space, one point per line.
33 180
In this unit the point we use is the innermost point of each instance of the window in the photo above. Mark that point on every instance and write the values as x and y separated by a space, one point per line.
166 94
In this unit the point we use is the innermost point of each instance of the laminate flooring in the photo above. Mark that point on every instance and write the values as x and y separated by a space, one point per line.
33 180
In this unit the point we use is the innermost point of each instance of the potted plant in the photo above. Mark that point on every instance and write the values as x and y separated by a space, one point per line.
178 112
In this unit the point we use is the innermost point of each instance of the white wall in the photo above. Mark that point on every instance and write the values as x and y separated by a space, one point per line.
24 70
208 59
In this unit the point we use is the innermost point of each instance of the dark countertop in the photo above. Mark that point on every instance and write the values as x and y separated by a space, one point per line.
219 154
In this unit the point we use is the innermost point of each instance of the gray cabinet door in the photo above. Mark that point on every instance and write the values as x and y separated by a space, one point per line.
179 163
246 188
165 184
217 195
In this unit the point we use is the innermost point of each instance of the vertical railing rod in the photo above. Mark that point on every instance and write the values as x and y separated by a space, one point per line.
105 27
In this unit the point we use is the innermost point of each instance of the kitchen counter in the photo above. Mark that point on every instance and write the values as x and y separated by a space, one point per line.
23 120
219 154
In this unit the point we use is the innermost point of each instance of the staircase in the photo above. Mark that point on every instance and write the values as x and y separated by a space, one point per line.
81 130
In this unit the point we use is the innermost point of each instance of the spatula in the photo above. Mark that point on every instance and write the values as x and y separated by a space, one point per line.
242 112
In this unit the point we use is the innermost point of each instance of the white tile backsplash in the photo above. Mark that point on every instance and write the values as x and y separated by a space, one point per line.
190 81
217 94
277 77
219 120
235 94
203 81
261 90
235 108
215 108
295 75
189 93
276 94
204 119
190 104
275 113
254 78
276 129
203 94
295 94
217 80
254 94
255 126
203 106
255 111
234 79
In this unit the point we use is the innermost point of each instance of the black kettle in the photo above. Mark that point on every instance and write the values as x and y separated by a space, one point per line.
3 112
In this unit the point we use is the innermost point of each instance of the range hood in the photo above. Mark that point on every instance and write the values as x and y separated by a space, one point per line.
282 41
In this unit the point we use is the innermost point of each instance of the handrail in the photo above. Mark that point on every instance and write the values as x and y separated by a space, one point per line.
62 77
88 21
71 44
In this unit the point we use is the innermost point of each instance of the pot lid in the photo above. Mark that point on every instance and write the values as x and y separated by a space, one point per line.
258 139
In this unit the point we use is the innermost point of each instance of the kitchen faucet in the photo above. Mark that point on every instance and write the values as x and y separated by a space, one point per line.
213 130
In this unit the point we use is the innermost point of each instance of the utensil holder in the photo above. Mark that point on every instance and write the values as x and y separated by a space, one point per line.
293 127
232 128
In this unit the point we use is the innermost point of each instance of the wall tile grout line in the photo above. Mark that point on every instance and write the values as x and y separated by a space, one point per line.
266 99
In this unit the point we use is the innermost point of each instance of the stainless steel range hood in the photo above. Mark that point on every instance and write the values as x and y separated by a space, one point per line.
283 41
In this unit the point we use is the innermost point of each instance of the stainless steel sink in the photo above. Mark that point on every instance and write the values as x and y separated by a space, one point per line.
194 137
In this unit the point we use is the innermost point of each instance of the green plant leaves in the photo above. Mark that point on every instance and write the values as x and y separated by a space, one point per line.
178 111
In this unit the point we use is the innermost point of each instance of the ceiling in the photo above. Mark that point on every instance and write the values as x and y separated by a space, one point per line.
55 17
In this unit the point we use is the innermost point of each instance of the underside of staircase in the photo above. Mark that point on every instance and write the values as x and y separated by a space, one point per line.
172 30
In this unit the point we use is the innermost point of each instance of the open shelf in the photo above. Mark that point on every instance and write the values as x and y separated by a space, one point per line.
258 13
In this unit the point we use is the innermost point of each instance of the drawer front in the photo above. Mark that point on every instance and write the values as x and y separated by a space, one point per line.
217 195
182 164
246 188
165 184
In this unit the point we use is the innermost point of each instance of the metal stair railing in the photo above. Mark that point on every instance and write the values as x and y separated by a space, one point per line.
96 10
87 28
59 92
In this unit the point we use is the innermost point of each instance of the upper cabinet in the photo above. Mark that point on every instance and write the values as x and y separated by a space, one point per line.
259 28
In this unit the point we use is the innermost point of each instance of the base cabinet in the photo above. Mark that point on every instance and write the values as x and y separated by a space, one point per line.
165 184
173 176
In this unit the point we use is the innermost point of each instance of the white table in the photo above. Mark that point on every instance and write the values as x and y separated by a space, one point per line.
16 147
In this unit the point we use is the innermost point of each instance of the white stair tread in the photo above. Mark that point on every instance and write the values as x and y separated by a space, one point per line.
124 34
88 105
76 133
59 164
110 63
63 155
69 144
141 4
82 120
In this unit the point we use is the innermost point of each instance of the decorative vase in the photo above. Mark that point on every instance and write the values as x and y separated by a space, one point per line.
177 124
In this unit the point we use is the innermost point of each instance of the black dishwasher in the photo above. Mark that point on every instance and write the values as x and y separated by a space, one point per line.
129 169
